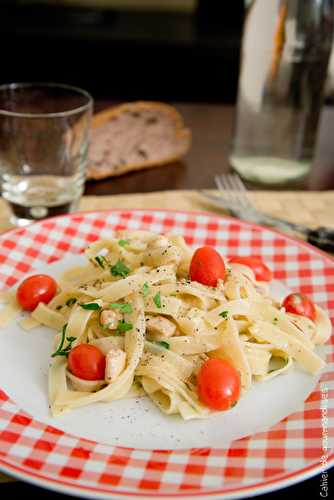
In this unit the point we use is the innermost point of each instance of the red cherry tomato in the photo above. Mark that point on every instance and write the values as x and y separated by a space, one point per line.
297 303
207 266
87 361
36 289
218 384
260 269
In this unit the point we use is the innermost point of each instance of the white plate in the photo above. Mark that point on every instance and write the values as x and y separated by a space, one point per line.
25 356
272 438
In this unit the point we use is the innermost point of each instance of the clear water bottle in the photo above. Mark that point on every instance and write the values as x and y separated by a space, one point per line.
285 54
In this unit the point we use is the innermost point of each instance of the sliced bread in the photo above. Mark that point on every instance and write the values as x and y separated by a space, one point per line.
135 136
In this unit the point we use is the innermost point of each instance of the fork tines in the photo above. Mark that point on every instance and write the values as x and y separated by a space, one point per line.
233 189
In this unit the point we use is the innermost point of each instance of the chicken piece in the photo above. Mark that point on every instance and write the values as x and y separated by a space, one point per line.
159 242
160 325
115 364
161 252
110 318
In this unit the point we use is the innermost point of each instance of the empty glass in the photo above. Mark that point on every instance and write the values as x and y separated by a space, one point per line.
44 135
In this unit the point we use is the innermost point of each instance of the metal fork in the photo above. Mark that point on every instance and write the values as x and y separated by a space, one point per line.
233 190
233 195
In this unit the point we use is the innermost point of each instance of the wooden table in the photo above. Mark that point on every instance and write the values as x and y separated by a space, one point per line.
212 129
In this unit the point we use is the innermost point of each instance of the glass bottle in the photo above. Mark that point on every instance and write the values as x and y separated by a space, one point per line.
285 54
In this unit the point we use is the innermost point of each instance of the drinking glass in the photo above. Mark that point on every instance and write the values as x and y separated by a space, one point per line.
44 135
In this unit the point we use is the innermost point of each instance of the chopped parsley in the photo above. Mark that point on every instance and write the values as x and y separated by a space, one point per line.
59 307
164 344
71 301
123 327
224 314
157 300
275 321
124 308
123 243
91 306
61 350
146 289
119 269
101 261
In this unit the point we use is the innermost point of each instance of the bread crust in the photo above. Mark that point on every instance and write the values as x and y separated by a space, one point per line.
182 134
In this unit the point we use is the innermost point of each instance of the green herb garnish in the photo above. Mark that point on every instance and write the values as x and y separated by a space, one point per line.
92 306
157 300
123 327
58 307
275 321
100 260
234 404
61 350
123 243
224 314
124 308
71 301
146 289
163 344
119 269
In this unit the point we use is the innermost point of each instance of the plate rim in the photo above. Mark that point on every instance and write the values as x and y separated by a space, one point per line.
298 241
281 481
286 479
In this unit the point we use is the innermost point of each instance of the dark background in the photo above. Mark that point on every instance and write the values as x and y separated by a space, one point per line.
122 55
309 489
125 54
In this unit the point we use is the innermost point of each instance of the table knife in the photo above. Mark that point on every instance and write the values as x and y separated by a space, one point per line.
321 237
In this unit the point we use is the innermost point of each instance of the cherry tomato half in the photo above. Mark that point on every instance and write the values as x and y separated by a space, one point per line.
207 266
36 289
87 361
297 303
218 384
260 269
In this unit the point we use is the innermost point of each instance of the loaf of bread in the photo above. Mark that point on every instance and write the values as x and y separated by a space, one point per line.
135 136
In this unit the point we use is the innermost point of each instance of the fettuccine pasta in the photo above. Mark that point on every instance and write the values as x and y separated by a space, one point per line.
133 300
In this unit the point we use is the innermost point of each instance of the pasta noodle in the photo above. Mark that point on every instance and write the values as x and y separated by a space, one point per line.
135 303
11 309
